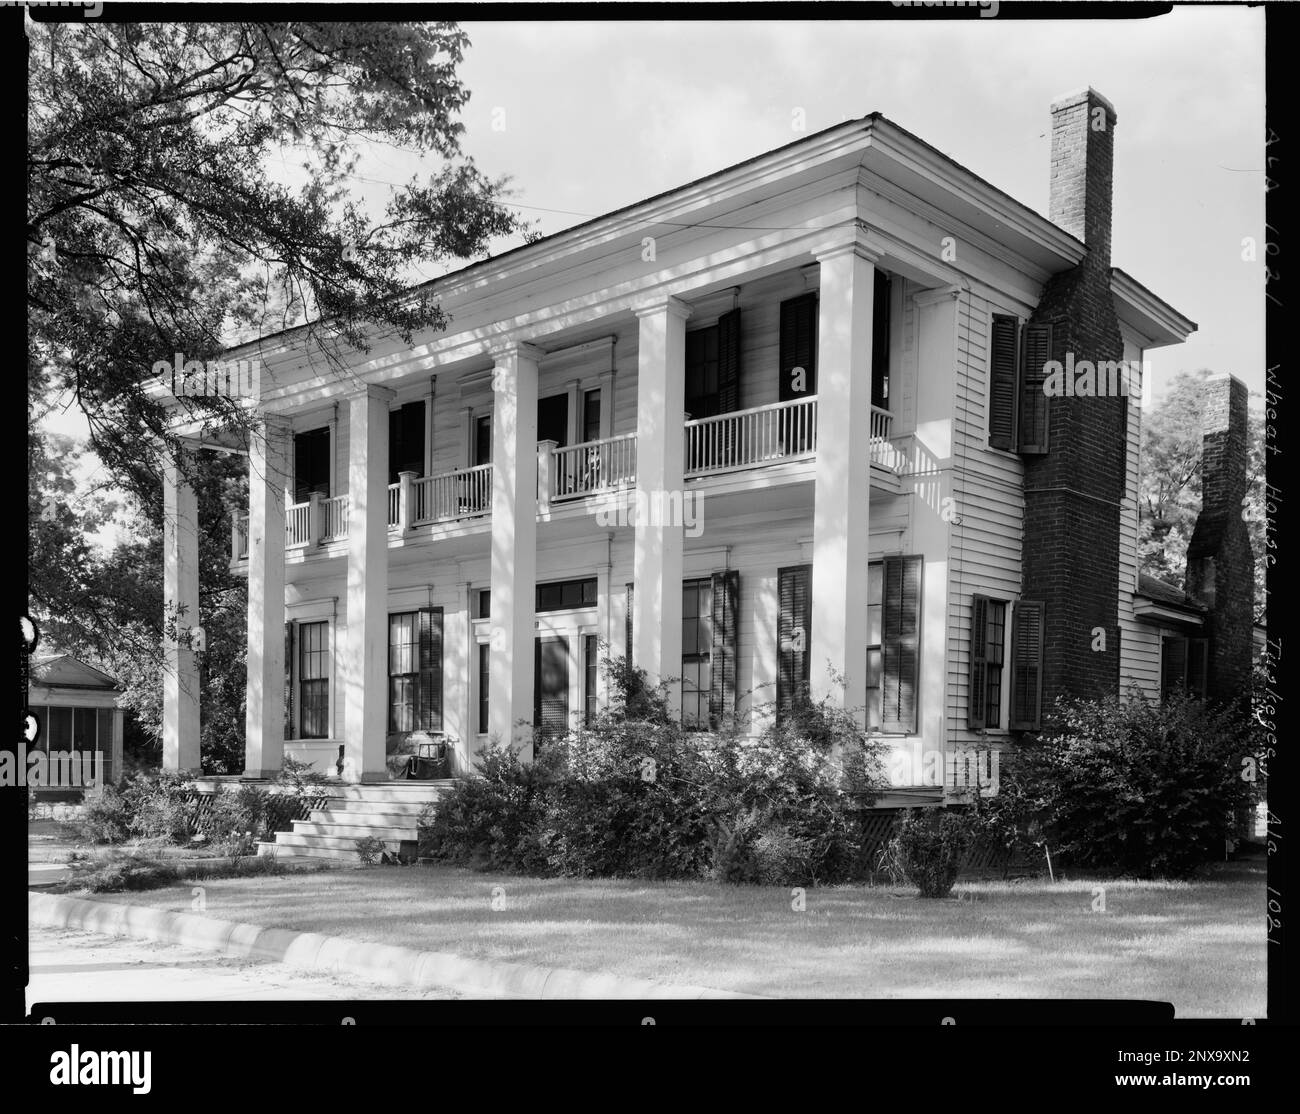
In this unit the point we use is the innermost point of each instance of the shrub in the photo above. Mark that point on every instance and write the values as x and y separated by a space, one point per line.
160 806
929 848
1132 786
116 872
636 795
370 849
105 819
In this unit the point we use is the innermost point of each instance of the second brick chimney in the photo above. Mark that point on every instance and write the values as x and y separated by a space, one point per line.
1220 565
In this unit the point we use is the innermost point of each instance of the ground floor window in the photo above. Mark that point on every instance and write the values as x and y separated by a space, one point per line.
590 652
415 670
484 675
313 680
1183 664
551 686
697 644
987 653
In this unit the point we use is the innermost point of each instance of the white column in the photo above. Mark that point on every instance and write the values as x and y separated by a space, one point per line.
841 488
181 596
660 488
268 476
661 445
363 670
514 544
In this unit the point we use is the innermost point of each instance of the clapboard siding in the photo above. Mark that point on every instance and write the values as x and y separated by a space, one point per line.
1139 646
988 489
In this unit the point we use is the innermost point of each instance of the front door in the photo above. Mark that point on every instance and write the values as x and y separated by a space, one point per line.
551 686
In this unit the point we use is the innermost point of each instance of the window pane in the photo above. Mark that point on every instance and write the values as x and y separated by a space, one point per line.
484 673
873 688
83 729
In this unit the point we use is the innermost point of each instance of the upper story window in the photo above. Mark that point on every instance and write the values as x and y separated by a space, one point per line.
880 326
553 419
798 344
483 440
591 415
406 440
1018 406
311 464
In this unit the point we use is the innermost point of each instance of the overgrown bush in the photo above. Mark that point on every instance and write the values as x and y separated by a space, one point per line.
1131 786
105 818
930 846
636 795
370 850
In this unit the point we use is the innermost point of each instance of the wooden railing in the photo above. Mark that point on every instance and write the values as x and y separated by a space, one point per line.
297 525
334 518
592 466
461 493
882 451
394 504
749 438
239 538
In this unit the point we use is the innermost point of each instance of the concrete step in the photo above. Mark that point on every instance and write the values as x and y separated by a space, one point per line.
387 808
380 818
311 854
410 791
286 857
353 831
300 840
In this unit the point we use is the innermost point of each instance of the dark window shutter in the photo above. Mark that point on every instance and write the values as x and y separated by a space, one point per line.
798 345
1198 655
1027 665
978 662
288 680
428 712
627 624
900 644
1034 404
729 362
794 589
1003 395
722 652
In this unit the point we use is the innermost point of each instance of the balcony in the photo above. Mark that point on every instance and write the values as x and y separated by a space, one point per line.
743 440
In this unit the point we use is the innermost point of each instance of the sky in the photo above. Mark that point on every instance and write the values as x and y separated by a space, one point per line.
586 117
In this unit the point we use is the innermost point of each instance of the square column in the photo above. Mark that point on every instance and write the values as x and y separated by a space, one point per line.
660 492
514 545
268 478
180 721
363 665
842 484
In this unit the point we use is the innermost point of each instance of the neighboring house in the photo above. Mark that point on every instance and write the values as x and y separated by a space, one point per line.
782 422
76 707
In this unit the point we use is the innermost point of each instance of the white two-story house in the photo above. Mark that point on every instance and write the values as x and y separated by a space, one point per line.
779 429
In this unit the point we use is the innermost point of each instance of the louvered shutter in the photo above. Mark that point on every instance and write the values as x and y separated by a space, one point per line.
729 362
978 662
1034 404
1198 655
722 652
900 644
288 680
627 624
428 697
795 614
798 345
1003 393
1027 665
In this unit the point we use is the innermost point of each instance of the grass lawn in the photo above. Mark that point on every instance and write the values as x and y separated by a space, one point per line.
1200 945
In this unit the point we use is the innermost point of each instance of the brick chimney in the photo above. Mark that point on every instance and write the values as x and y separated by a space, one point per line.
1073 491
1220 565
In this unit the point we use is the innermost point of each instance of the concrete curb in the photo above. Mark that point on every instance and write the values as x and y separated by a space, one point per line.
383 963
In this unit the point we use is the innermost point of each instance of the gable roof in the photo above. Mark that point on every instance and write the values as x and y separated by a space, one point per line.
65 671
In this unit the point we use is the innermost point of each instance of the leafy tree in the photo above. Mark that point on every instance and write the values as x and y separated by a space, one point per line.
1170 486
154 224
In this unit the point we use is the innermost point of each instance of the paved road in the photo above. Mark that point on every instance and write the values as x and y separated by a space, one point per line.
73 966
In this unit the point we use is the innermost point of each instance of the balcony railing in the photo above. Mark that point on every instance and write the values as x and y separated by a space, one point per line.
394 505
882 452
578 470
334 518
297 525
462 493
749 438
